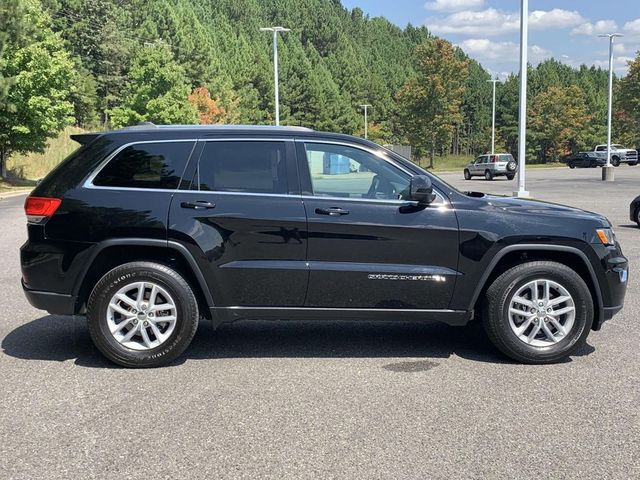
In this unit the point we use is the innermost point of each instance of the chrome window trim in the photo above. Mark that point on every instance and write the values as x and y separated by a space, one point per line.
89 181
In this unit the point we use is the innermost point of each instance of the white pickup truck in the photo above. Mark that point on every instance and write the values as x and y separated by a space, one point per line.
619 154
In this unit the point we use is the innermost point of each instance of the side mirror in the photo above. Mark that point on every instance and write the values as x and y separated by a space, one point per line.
420 190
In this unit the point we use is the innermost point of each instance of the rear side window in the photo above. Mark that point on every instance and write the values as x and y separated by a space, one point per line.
146 165
239 166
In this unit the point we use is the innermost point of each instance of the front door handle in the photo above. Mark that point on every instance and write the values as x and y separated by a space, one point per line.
198 205
333 211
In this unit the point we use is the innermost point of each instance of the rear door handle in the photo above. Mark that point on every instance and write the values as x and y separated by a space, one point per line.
198 205
333 211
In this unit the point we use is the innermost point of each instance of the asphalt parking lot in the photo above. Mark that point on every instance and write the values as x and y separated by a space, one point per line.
325 400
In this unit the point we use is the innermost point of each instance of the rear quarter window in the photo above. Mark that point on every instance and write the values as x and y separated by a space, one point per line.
157 165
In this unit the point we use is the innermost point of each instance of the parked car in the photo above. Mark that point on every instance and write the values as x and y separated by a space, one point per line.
147 230
490 166
619 154
585 160
634 210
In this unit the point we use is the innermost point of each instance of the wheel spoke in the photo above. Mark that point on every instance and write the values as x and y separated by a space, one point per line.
547 294
517 311
548 333
523 301
523 327
127 300
152 295
534 293
533 333
131 333
562 311
156 332
140 297
167 319
559 327
122 324
559 300
117 308
145 337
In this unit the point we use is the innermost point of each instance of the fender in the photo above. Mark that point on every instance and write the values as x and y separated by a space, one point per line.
555 248
100 246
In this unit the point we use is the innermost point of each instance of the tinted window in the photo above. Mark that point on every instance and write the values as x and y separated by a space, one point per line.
341 171
254 167
146 165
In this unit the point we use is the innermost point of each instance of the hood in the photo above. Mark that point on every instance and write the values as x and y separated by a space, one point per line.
523 206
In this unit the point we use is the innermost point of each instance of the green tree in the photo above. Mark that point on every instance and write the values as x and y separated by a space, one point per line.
430 104
158 91
36 105
628 102
558 119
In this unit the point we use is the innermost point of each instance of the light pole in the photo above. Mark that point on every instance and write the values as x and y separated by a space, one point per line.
365 106
607 171
522 114
493 117
275 31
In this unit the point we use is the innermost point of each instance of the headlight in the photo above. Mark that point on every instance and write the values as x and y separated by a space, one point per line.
606 236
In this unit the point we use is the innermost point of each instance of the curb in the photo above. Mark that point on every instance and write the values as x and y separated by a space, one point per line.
4 195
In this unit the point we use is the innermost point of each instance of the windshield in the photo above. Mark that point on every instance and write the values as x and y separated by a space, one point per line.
617 147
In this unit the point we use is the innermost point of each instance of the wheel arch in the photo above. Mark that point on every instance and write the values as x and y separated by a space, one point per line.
111 253
517 254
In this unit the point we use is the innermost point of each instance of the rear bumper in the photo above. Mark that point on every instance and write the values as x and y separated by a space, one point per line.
54 303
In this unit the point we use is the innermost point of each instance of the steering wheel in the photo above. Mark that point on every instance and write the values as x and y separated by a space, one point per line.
381 188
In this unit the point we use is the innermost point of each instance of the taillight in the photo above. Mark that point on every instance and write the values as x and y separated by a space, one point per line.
39 209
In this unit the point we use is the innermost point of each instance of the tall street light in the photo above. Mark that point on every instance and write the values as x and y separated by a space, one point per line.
522 115
365 106
493 117
275 31
607 171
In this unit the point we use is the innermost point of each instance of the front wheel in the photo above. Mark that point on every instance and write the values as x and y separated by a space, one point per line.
571 165
615 161
488 175
510 176
633 164
142 314
467 175
538 312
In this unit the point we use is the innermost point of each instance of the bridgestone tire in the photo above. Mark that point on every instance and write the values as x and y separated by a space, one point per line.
496 319
186 314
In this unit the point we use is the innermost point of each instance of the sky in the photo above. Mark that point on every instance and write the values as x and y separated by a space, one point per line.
489 30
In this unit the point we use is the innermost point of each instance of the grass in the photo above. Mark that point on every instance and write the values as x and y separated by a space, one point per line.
455 163
33 166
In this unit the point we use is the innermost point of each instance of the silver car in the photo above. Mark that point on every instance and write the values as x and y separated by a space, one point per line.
491 165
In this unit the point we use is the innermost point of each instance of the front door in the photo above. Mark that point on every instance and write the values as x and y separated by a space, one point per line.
368 246
244 221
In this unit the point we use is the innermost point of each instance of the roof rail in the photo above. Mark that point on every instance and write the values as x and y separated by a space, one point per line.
145 125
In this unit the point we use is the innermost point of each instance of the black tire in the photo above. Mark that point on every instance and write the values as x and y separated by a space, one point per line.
615 161
186 314
633 164
510 176
571 165
467 174
511 166
593 164
488 175
637 215
496 319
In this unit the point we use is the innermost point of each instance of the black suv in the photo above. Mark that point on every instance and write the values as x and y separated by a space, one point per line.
146 230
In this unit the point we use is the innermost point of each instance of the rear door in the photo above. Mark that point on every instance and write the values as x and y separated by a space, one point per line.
243 219
369 248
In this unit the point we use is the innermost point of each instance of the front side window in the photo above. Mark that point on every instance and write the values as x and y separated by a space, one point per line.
347 172
146 165
243 166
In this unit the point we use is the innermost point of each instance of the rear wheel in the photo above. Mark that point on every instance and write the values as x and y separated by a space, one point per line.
467 174
538 312
593 164
571 165
142 314
488 175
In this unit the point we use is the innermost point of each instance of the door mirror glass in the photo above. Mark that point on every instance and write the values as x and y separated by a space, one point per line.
421 190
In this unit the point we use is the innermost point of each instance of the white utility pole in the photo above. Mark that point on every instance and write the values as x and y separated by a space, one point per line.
365 106
493 117
607 171
522 115
275 31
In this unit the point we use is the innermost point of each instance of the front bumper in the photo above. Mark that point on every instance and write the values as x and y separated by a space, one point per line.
54 303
